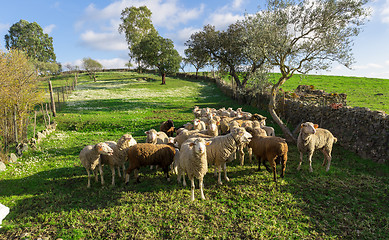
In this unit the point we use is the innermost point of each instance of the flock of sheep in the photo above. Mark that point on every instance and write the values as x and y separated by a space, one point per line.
215 137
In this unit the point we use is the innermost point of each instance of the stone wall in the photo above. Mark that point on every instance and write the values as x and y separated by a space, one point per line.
360 130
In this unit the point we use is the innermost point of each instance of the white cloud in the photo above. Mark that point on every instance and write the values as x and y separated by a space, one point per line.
236 4
184 34
222 20
104 41
384 12
48 29
368 66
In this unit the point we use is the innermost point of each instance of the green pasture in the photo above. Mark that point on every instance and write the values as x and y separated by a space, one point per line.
47 195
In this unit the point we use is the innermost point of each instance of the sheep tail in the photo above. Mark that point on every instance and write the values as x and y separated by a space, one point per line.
335 139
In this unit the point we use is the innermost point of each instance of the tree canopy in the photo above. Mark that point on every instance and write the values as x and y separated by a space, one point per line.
158 52
29 37
136 24
91 66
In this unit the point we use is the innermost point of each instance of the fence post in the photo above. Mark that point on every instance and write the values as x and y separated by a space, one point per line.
52 99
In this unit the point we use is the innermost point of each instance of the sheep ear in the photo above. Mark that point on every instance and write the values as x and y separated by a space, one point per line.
147 132
302 125
207 143
315 126
191 144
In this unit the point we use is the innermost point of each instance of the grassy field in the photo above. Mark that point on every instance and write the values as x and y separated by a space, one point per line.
372 93
46 190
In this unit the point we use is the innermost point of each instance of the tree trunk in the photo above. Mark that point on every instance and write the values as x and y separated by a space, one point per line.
94 76
272 106
236 78
197 70
163 78
52 99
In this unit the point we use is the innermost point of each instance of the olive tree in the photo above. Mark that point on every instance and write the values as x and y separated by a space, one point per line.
91 66
306 35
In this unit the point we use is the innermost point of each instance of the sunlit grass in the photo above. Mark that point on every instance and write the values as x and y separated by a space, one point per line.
46 189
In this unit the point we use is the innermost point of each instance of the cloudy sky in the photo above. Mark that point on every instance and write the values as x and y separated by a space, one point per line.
90 28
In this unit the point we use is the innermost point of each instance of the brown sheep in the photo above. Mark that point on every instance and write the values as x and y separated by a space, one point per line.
147 154
270 149
167 127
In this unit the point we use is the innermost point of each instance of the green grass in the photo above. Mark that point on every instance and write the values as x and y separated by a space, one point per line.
46 190
361 92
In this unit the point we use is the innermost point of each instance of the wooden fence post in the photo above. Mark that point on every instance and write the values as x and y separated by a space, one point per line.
52 99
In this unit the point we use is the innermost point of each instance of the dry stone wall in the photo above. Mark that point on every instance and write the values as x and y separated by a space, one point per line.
360 130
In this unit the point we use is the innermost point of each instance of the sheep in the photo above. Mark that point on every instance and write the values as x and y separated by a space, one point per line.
185 135
199 125
311 138
119 156
90 158
221 148
261 123
197 112
146 154
254 131
193 162
212 129
152 136
270 149
167 127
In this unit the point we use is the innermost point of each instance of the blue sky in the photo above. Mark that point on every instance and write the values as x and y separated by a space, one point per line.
89 28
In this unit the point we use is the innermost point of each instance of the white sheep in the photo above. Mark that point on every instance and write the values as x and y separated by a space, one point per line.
90 158
119 156
152 136
221 148
311 138
193 162
199 125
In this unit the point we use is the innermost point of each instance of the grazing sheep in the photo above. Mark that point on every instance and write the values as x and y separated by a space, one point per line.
193 162
167 127
152 136
147 154
256 131
311 138
119 156
270 149
221 147
90 156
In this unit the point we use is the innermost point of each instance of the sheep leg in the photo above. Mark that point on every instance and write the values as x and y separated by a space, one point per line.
327 158
250 151
166 170
310 161
119 174
283 162
88 186
113 175
266 166
136 175
259 163
273 166
183 179
101 173
241 155
219 179
95 174
201 185
225 172
192 187
301 161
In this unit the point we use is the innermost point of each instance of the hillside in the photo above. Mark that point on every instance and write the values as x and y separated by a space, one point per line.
46 189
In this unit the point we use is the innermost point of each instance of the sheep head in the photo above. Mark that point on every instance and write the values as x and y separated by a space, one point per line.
240 135
308 128
198 145
103 148
151 136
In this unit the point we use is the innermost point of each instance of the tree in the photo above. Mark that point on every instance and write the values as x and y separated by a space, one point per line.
29 37
305 36
158 52
91 66
19 92
136 24
197 57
